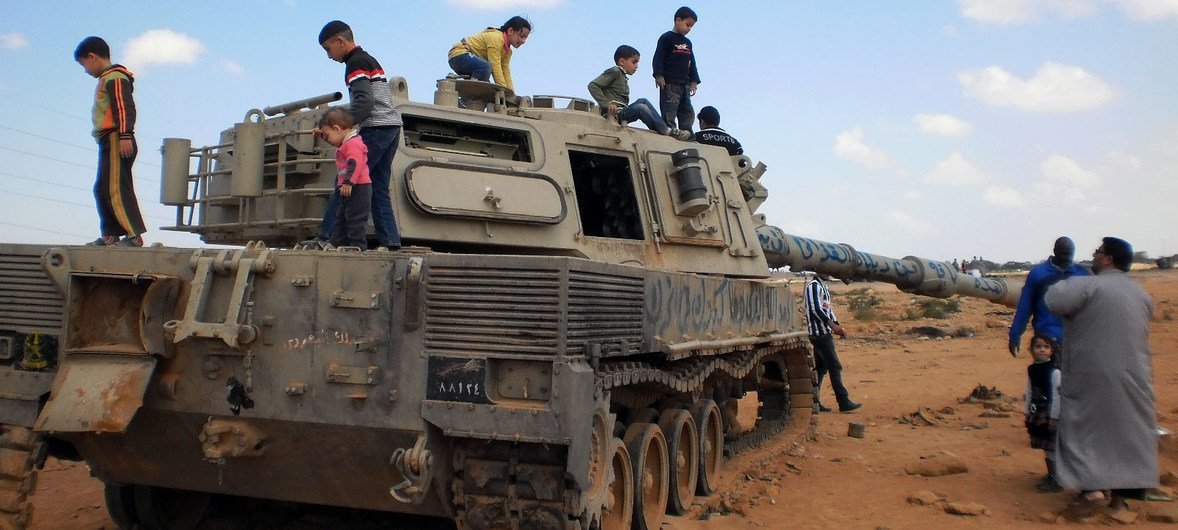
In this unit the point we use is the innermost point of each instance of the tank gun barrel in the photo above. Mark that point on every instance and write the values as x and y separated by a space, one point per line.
910 273
308 103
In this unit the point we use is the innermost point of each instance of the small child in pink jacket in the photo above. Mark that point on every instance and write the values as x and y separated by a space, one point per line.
353 181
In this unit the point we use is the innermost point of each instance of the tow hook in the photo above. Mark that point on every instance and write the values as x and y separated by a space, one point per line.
416 466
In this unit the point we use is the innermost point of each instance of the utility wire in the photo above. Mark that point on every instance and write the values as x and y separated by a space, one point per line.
83 147
9 95
43 181
71 203
38 229
84 166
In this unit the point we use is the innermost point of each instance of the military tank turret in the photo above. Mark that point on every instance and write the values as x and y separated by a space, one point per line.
561 344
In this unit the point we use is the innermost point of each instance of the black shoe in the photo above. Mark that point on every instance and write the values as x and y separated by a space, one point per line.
849 406
1048 484
823 408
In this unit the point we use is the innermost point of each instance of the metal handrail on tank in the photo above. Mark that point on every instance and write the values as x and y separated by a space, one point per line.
910 274
246 174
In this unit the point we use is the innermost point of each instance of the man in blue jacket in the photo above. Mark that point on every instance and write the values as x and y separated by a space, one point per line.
1030 303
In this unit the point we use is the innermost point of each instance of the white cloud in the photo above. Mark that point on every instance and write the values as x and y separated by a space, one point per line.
489 5
232 68
997 11
1149 9
1003 197
1010 12
1064 181
13 41
1054 88
942 125
956 171
162 46
850 146
913 196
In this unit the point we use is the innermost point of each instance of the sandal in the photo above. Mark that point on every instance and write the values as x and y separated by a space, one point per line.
1084 506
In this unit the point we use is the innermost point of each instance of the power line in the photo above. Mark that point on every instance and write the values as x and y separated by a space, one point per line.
87 206
84 166
87 148
43 181
38 229
43 107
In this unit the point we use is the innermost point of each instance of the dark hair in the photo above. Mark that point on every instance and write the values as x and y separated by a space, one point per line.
1120 251
90 45
336 28
517 23
685 12
710 115
625 52
1056 348
337 117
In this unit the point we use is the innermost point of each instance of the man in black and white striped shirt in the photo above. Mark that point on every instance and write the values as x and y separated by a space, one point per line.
823 326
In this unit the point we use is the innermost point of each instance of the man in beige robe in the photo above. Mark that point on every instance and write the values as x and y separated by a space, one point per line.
1107 423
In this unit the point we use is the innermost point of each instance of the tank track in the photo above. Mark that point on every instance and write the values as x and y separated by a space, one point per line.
499 485
20 449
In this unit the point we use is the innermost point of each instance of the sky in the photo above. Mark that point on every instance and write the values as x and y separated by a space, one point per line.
945 129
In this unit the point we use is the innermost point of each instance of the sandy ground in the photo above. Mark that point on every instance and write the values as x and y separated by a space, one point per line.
838 481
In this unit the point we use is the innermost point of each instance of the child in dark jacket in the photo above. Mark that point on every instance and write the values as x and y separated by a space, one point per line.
1042 404
675 72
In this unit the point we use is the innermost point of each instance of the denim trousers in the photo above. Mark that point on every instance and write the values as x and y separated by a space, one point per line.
382 147
470 64
675 101
642 110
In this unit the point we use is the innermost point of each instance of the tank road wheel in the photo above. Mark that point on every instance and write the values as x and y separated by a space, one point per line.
617 512
683 456
20 448
710 426
169 509
648 454
120 504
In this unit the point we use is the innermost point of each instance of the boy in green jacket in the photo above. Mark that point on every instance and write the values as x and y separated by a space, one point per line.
611 89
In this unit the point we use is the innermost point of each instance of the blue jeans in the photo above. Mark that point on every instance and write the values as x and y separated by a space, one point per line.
470 64
675 100
642 110
382 147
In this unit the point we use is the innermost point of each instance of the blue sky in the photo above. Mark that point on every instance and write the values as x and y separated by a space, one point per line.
938 128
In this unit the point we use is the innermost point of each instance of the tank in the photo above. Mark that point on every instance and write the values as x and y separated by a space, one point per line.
565 341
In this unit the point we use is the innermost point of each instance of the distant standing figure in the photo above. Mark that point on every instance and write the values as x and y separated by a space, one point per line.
823 326
114 129
1108 422
1030 302
352 178
675 71
710 132
1042 404
611 89
371 108
488 53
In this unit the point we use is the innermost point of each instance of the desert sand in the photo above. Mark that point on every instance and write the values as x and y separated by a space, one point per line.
837 481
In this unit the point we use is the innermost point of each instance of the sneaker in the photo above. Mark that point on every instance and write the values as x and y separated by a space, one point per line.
679 134
314 243
136 241
849 406
104 241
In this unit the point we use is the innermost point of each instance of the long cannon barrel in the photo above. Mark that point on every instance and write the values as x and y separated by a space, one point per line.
308 103
911 274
